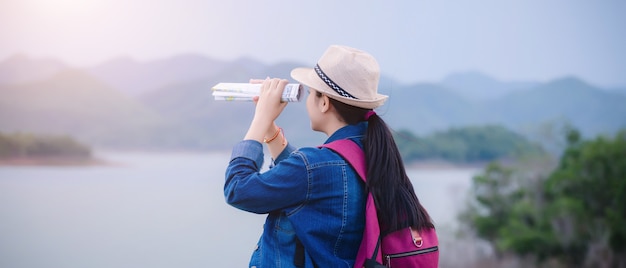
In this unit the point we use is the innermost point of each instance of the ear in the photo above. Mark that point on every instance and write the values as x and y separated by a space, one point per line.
324 104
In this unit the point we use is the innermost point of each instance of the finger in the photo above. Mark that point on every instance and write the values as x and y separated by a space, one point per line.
283 83
256 81
265 85
278 89
274 83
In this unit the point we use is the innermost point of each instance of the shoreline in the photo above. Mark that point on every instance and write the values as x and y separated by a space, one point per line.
442 165
99 158
53 161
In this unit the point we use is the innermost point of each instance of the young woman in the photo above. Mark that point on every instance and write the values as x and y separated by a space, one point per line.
313 197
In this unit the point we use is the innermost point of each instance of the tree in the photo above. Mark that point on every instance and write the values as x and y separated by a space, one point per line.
507 213
587 193
575 214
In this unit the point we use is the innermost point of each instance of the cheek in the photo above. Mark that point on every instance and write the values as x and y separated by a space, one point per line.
309 104
310 108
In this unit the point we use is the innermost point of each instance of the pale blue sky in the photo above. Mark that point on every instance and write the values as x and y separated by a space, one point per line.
414 41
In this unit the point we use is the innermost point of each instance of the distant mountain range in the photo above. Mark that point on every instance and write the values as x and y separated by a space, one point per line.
167 104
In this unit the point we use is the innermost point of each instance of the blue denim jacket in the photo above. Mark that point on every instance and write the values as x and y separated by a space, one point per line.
311 193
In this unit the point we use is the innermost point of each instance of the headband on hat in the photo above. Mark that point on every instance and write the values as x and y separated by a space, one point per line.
331 84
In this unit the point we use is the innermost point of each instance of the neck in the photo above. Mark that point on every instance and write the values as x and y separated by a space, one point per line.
332 127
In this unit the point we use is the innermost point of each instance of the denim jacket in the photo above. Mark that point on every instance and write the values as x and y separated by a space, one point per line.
310 193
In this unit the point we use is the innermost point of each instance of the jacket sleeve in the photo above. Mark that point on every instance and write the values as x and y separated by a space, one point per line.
284 185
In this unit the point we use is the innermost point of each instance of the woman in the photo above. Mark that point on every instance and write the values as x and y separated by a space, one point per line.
312 195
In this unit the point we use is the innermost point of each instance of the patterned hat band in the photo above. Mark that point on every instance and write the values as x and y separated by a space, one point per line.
332 84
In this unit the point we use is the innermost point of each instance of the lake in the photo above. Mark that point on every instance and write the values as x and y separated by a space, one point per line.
156 210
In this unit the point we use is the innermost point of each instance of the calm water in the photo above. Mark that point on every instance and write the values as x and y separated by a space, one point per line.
152 210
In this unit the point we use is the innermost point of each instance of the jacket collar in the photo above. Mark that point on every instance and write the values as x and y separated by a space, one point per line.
349 132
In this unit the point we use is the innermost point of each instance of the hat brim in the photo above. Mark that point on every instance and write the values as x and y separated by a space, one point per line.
308 77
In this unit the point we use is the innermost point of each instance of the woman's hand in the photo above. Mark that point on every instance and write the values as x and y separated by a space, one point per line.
269 104
268 108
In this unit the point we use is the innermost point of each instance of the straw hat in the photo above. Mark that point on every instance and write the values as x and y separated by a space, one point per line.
345 74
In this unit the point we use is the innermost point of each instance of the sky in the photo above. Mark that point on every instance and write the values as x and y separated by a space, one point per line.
413 40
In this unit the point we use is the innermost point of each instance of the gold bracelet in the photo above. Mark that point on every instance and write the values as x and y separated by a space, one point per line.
273 137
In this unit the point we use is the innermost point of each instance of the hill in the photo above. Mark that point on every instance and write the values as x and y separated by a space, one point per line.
72 102
167 104
474 144
20 68
135 78
593 110
477 86
424 108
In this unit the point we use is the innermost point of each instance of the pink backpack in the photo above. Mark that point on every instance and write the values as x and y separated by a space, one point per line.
402 248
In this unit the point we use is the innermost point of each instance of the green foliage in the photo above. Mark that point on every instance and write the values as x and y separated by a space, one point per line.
464 145
493 198
411 146
591 179
571 214
29 145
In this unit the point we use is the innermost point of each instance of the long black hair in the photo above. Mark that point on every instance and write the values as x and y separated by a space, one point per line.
397 203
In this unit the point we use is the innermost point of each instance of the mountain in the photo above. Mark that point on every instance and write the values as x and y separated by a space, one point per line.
167 104
423 108
135 78
72 102
593 110
20 68
477 86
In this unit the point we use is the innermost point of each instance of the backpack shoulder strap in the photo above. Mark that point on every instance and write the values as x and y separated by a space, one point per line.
351 152
370 243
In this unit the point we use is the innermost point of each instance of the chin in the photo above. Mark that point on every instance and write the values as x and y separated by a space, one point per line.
314 128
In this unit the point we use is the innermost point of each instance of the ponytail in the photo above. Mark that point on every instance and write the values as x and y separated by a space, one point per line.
396 201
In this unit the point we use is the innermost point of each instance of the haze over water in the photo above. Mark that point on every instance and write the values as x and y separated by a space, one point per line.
153 210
